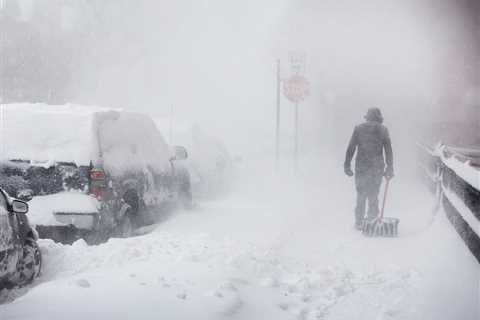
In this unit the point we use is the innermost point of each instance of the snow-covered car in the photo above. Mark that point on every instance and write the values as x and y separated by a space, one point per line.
20 256
210 164
92 172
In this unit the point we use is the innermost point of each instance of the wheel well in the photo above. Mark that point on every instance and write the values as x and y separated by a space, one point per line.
31 235
183 178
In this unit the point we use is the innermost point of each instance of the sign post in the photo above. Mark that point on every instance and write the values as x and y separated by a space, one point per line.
295 152
277 129
296 89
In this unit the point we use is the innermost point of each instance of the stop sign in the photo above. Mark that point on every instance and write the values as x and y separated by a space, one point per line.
296 88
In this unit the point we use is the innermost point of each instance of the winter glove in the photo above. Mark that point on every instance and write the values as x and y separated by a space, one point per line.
348 171
388 173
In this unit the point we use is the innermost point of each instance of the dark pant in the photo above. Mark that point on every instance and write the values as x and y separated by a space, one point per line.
368 186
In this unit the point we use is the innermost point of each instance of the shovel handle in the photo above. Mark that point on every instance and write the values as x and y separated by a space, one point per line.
384 198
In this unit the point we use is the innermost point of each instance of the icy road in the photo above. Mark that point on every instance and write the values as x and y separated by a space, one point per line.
277 249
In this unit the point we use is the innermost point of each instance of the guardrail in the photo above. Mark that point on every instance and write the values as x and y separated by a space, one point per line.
454 175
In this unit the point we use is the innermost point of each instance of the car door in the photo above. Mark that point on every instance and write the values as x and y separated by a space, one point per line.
9 252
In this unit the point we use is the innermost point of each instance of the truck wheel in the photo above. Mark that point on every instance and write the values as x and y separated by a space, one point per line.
186 199
126 226
132 199
30 265
185 190
130 219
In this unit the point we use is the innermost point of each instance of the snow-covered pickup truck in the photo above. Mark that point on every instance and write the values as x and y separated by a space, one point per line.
91 172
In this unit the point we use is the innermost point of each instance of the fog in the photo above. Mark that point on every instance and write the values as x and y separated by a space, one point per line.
214 62
269 245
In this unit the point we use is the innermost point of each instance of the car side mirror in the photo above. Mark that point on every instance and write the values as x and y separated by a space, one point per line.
180 153
19 206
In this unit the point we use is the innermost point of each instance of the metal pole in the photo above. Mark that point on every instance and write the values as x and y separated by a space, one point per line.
171 125
295 152
2 130
2 87
277 129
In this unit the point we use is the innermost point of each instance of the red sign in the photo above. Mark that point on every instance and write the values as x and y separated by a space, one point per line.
296 88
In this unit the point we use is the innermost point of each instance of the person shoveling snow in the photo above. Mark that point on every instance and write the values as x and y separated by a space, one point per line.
370 140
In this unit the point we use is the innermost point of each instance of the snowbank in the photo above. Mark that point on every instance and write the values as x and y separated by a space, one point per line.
278 250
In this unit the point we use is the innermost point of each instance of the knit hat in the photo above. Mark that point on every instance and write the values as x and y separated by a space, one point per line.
374 114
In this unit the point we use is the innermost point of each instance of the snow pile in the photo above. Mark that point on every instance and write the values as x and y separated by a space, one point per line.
47 134
197 277
42 209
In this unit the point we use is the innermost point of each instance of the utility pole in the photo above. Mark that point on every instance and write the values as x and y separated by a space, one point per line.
171 125
277 129
2 86
296 89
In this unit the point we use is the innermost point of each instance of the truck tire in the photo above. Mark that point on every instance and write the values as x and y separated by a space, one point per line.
132 199
185 189
126 226
30 265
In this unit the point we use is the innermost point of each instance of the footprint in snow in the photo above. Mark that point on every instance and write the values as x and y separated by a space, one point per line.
284 306
225 289
163 282
228 286
83 283
269 282
182 296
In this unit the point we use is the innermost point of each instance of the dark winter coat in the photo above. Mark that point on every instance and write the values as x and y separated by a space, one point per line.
370 139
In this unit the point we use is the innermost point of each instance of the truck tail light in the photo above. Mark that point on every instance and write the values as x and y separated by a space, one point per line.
97 183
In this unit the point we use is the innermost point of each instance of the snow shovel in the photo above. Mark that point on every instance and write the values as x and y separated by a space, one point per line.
381 226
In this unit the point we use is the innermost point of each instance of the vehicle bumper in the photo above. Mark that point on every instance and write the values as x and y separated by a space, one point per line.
86 221
64 234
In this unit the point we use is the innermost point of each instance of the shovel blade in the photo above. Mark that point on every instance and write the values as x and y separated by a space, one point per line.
386 227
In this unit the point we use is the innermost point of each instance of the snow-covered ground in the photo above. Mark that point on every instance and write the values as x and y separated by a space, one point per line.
277 248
